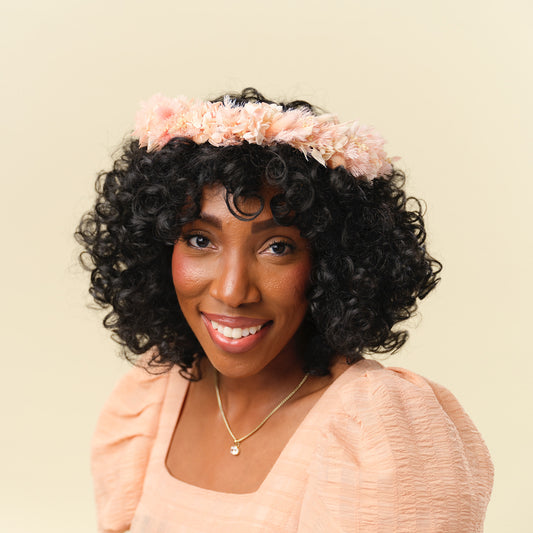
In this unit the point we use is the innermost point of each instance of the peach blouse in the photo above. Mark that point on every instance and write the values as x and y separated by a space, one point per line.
383 450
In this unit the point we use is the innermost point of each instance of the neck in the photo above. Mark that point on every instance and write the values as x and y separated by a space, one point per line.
259 391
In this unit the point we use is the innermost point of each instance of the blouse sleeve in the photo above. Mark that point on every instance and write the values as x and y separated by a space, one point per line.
121 446
401 455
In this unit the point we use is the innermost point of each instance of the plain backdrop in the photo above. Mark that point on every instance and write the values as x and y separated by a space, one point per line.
448 83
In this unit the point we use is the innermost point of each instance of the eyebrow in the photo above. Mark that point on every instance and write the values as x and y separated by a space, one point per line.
256 226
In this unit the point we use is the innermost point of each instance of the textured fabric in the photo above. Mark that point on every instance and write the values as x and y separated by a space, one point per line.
383 450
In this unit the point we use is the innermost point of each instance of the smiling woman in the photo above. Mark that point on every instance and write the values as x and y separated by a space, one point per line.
254 255
224 267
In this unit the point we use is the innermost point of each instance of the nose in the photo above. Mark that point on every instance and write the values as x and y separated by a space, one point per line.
236 283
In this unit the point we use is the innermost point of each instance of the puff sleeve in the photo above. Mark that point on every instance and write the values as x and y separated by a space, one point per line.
401 455
121 446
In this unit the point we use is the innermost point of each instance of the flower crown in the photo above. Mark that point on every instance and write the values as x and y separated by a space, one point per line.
358 148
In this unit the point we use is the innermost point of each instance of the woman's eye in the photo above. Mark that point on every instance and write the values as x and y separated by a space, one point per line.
197 241
280 248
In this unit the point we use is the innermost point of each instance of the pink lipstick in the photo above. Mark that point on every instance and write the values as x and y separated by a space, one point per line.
235 334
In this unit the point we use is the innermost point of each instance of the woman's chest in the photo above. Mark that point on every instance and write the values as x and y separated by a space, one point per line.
200 450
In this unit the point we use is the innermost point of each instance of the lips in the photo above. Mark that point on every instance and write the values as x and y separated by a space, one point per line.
242 344
235 321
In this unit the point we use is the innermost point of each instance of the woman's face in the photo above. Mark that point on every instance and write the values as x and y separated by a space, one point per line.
241 285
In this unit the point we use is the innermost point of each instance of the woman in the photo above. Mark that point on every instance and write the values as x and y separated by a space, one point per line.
254 253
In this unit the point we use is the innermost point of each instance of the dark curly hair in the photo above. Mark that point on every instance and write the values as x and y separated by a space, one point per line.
367 239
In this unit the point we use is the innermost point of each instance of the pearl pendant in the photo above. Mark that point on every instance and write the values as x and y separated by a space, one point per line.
234 450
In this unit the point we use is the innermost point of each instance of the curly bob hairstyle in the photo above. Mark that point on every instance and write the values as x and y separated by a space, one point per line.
369 261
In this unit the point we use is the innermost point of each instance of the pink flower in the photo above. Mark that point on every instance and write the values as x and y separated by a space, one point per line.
356 147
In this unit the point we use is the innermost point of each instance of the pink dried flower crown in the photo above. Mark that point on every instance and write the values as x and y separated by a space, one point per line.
358 148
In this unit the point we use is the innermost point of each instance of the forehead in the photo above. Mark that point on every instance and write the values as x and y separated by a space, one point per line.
215 201
219 223
252 216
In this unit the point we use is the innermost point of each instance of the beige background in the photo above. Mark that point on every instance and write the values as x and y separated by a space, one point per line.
448 83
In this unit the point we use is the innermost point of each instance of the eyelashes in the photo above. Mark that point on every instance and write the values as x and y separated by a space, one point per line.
198 241
201 240
286 247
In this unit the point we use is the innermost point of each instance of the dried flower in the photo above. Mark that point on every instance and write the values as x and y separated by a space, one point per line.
358 148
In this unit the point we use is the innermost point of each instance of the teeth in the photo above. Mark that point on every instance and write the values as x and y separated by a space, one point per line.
235 333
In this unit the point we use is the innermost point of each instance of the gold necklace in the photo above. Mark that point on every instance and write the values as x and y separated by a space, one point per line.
235 448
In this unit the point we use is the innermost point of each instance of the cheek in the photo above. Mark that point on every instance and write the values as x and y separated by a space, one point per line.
291 287
187 276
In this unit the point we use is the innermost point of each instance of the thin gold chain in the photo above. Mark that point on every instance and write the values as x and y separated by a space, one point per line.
237 441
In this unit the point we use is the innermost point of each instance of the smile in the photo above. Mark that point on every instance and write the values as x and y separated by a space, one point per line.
235 333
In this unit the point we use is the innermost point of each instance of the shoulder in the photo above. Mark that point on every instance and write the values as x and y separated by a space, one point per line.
395 394
417 418
402 451
122 442
399 400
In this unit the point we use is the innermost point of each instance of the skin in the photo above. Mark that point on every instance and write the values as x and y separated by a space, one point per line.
258 270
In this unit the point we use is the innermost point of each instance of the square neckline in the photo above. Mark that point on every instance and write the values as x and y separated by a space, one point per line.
177 390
